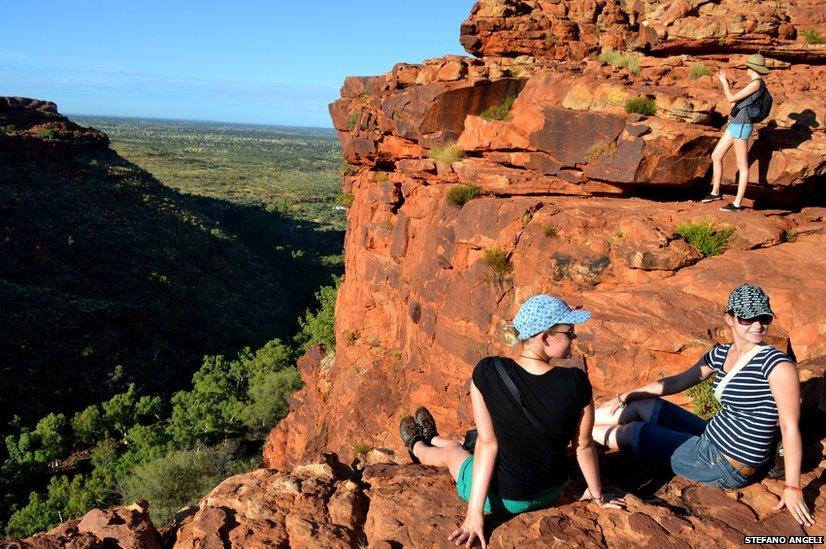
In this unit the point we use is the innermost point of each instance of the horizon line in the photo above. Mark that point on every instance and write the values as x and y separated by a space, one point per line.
203 121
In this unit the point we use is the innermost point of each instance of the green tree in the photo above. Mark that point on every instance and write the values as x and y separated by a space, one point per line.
229 396
175 480
319 327
47 443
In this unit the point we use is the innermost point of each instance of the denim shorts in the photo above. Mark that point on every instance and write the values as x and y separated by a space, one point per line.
674 438
740 131
496 504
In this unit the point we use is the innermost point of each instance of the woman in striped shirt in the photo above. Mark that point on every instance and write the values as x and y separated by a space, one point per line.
757 387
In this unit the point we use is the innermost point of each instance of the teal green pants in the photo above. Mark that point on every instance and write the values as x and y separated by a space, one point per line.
498 505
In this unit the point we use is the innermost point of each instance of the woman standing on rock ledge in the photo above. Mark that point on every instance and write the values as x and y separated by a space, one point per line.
526 411
737 132
757 387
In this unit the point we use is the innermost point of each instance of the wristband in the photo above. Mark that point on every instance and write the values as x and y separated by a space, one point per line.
793 488
621 403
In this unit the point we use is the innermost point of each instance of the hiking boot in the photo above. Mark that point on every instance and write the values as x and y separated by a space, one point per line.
730 207
711 197
411 434
426 423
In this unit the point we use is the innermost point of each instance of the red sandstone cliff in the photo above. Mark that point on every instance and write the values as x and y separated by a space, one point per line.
583 197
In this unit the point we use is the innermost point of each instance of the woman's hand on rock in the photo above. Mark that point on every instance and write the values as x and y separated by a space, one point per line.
794 502
607 501
471 529
721 75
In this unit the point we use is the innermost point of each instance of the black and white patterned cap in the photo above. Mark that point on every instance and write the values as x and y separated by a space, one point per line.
749 301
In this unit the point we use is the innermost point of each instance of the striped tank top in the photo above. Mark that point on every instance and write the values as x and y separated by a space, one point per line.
745 426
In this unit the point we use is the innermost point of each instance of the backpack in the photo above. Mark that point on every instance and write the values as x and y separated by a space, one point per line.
758 105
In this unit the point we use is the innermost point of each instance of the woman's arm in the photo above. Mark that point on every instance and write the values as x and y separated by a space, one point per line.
667 385
484 459
586 457
750 88
785 387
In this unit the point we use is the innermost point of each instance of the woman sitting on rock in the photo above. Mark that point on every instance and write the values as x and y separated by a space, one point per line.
519 461
756 384
737 133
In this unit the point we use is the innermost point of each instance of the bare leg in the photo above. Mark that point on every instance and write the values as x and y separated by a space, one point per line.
616 437
741 152
452 455
440 442
636 410
717 161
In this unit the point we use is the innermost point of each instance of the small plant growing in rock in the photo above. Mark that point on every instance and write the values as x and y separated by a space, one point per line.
642 105
698 70
360 449
705 404
447 155
353 120
499 262
705 237
811 36
345 199
789 235
381 177
47 134
8 128
619 233
628 61
462 194
550 39
516 69
601 148
501 111
549 230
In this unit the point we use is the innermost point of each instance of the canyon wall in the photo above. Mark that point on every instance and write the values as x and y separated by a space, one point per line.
578 198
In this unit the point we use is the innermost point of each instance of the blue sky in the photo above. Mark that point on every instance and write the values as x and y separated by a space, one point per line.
266 62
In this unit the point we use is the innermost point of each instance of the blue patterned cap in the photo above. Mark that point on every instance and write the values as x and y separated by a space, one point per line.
749 301
541 312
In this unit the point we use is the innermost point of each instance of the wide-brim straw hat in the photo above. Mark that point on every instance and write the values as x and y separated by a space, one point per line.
757 63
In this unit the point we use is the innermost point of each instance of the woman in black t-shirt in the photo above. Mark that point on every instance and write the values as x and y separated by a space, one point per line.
519 459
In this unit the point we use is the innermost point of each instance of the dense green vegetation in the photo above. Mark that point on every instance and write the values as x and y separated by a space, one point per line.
125 303
135 447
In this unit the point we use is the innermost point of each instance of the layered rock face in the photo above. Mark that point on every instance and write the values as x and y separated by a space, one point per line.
579 199
559 30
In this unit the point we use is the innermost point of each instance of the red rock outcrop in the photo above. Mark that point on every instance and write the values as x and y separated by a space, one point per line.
116 528
383 503
580 199
39 131
572 30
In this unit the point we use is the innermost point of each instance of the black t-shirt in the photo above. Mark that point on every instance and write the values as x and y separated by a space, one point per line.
531 461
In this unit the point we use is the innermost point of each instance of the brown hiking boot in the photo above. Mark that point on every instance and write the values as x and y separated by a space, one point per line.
411 434
426 423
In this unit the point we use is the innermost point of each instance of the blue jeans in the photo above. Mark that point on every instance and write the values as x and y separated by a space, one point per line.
674 438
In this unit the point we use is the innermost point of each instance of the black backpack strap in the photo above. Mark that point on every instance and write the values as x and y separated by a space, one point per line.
508 382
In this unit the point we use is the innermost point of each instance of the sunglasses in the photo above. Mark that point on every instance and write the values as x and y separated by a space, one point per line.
765 320
569 332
